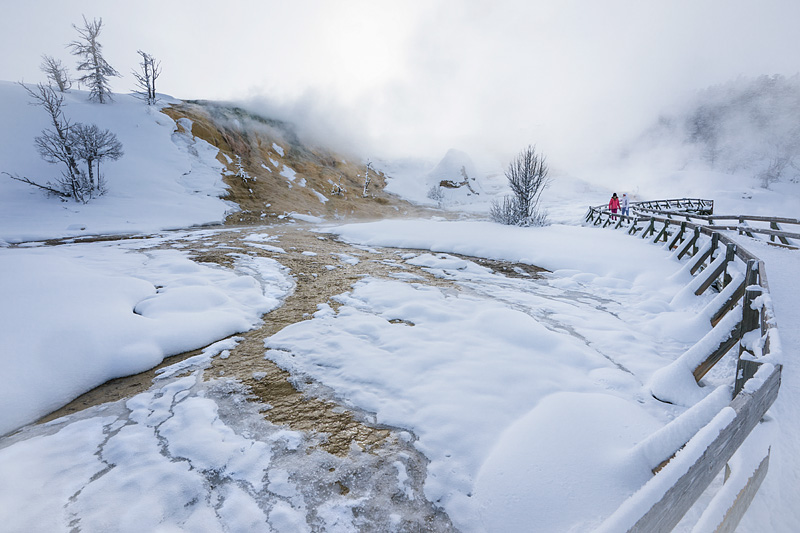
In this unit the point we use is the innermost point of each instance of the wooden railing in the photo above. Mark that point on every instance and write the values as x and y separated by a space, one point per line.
741 223
679 205
738 316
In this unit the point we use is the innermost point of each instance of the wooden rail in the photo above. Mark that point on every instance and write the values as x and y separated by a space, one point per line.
711 255
680 205
742 226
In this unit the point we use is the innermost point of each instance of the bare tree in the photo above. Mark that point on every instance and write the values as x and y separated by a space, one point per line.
55 144
436 193
337 189
146 79
56 72
506 212
68 144
367 178
91 60
93 145
527 178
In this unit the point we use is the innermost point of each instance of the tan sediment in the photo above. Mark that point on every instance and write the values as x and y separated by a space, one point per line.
265 194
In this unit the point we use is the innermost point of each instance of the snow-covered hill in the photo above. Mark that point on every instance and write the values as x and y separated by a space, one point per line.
166 179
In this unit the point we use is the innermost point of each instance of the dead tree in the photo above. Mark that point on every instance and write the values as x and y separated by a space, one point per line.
68 144
146 79
94 145
367 178
91 60
55 144
56 72
527 178
337 189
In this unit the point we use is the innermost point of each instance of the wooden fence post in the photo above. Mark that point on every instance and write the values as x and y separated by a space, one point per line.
691 244
662 233
730 253
678 235
745 368
711 277
650 228
709 254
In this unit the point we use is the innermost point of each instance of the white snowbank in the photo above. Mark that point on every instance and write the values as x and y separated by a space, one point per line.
520 487
76 316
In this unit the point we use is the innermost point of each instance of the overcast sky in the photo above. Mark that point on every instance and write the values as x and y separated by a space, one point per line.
422 76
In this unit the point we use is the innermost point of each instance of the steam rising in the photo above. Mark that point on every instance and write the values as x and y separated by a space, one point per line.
575 78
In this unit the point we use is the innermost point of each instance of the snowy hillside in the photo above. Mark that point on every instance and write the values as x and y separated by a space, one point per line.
165 179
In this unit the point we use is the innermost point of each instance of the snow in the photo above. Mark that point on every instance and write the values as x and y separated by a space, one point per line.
626 515
322 198
86 313
530 397
166 179
675 383
519 487
429 372
290 174
414 179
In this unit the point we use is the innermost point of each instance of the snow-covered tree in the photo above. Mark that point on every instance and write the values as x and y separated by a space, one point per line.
241 172
56 72
93 145
55 144
69 144
337 189
91 61
527 177
436 193
367 178
146 78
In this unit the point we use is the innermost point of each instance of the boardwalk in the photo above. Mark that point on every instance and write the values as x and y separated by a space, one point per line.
680 224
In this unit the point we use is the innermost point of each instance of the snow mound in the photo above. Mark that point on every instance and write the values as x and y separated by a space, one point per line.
509 486
455 167
81 315
454 180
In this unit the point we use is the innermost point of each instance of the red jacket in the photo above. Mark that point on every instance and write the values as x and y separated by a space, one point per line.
614 203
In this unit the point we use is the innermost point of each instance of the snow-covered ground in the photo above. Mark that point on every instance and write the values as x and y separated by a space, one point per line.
529 396
78 315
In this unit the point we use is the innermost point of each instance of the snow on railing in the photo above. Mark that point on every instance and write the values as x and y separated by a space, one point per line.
741 223
678 205
688 454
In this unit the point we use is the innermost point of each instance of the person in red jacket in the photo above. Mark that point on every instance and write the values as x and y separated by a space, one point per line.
614 206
